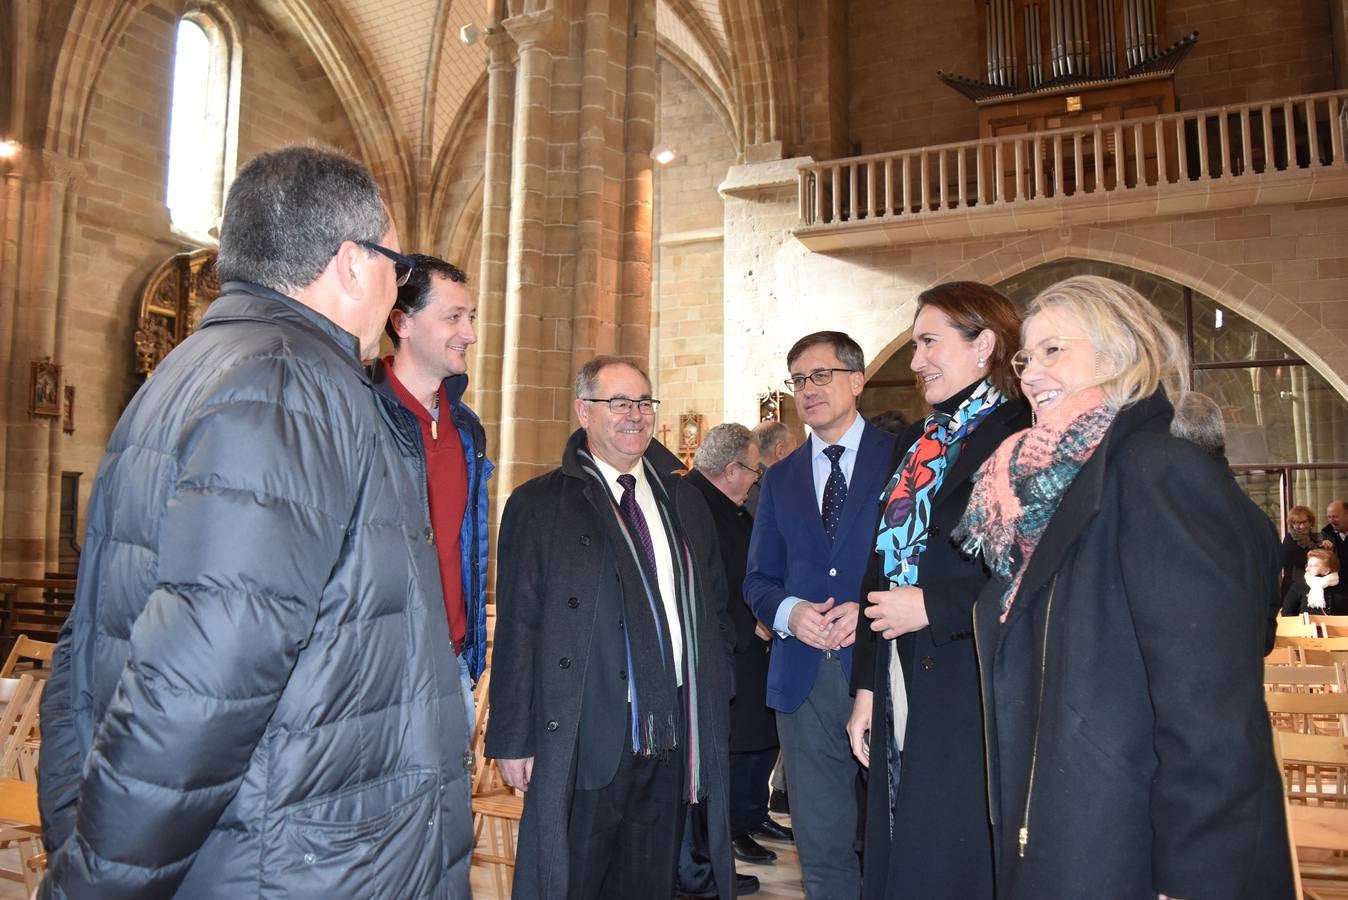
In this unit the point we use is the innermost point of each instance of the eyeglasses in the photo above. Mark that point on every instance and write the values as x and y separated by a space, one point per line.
622 406
1046 355
402 265
750 469
820 377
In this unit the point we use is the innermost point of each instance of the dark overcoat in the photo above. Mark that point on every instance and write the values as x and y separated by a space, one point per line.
753 725
1130 748
941 844
559 684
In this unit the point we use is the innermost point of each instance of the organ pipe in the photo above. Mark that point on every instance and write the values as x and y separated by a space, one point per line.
1034 53
1108 40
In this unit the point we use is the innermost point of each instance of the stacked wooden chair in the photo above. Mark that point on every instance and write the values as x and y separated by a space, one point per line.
1306 689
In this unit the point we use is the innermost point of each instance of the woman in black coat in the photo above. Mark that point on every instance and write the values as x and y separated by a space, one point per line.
1121 648
1302 536
927 832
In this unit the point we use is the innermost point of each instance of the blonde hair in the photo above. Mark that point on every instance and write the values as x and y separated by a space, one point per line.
1138 350
1301 512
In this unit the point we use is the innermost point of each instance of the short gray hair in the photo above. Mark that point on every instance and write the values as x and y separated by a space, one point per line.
289 211
1198 419
587 379
771 434
724 444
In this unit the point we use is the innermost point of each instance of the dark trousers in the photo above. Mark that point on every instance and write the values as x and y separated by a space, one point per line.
821 778
624 837
750 773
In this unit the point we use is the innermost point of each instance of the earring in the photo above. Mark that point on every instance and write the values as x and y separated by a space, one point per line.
982 362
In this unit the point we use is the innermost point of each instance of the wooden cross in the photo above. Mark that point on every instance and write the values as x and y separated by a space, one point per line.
664 435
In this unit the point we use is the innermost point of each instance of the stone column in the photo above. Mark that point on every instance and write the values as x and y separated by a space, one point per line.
578 261
521 408
491 288
32 482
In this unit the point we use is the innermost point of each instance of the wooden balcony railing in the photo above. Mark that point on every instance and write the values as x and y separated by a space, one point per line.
1177 151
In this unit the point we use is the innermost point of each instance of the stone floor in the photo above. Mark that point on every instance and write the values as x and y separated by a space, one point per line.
780 880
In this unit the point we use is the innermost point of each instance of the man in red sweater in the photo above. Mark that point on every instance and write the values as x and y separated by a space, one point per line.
432 325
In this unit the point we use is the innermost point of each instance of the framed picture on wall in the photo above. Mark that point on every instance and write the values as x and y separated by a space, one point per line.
690 431
44 389
68 410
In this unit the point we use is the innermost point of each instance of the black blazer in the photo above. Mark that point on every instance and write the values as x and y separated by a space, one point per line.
752 724
1294 601
941 842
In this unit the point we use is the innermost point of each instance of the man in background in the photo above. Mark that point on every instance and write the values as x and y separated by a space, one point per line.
432 327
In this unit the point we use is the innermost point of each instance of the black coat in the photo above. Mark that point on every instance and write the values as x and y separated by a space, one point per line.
1294 602
1127 730
1340 545
752 724
941 846
559 689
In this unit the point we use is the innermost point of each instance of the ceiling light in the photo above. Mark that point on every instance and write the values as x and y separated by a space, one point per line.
664 154
470 34
9 149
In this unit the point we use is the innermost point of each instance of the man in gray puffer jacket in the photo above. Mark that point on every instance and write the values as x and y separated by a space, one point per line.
255 694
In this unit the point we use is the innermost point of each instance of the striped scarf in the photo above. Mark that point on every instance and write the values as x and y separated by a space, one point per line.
656 715
1018 489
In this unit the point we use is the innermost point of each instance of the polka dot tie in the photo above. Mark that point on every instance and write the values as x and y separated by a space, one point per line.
835 492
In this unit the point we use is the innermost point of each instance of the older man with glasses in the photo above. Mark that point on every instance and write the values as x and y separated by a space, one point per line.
611 692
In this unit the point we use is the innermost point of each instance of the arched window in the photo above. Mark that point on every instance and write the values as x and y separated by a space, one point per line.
203 127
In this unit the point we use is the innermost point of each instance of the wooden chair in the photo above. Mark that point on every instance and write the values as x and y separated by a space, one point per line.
1303 679
496 808
1324 713
1318 825
1295 626
27 648
1312 643
19 743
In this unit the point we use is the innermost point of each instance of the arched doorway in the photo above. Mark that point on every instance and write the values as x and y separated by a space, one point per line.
1287 428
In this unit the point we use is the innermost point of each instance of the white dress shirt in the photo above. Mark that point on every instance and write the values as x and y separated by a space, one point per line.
820 468
664 560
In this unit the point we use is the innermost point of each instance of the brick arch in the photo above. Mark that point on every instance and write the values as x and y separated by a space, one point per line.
1266 308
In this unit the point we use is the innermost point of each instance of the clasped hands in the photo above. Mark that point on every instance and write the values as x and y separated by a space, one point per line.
824 626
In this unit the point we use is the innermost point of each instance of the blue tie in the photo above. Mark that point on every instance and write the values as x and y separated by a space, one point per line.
835 492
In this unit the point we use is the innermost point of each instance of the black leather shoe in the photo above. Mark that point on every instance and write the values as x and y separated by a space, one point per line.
751 851
744 886
773 831
777 802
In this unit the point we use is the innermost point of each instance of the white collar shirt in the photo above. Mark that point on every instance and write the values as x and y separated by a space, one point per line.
664 560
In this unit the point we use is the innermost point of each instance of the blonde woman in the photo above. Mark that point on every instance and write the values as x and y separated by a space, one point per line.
1120 648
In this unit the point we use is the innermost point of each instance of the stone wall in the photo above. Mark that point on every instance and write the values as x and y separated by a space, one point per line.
1284 267
1251 49
686 337
120 232
1247 50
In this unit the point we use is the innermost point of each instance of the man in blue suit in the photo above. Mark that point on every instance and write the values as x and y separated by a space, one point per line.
807 558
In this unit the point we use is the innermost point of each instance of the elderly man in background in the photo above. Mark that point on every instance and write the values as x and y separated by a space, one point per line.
255 694
1336 530
611 695
775 443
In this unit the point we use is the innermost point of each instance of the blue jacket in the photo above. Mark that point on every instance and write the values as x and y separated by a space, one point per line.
473 532
790 556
